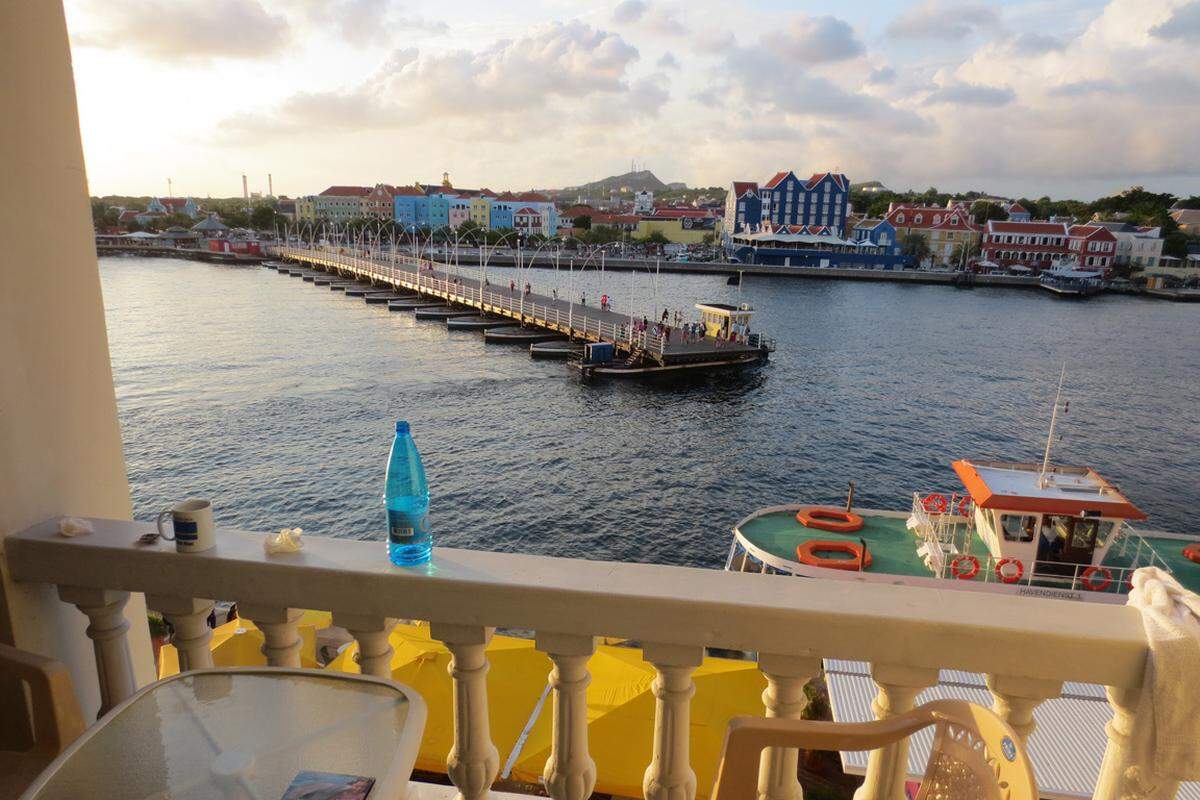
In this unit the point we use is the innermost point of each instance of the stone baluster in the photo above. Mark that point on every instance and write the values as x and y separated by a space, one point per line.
107 626
570 772
473 760
670 775
887 767
189 617
374 648
1126 774
784 697
1014 699
281 635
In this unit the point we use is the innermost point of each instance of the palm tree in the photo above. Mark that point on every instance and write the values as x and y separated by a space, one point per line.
915 245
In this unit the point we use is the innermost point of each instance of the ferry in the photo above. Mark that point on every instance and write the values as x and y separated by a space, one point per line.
1072 282
1032 529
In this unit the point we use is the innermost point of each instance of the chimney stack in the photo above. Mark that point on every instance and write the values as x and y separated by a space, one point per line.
245 192
270 185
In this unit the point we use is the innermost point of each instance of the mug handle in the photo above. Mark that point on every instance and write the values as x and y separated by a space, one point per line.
159 522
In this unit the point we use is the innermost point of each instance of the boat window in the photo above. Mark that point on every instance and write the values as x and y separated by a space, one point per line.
1083 535
1018 527
1104 531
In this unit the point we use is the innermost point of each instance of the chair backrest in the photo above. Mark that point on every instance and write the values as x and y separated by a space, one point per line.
975 756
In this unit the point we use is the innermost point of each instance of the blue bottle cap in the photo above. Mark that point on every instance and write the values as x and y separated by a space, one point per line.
401 426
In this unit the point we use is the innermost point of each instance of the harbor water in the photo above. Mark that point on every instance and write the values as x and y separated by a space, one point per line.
277 400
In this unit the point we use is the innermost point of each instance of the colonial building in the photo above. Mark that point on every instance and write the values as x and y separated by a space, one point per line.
823 199
945 229
527 220
1138 247
1092 247
1017 212
1034 245
878 232
743 208
174 205
306 208
341 203
380 203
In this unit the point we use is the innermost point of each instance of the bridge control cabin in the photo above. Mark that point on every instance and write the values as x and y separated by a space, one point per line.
1054 521
719 319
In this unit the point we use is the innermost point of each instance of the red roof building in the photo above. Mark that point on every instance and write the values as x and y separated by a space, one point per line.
1036 245
1092 247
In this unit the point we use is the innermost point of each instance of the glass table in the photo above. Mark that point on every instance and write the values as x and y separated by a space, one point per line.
243 733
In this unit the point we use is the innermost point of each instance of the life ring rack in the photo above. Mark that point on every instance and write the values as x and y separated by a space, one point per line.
806 553
834 520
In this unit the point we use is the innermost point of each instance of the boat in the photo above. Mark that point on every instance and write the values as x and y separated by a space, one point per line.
1034 529
1075 283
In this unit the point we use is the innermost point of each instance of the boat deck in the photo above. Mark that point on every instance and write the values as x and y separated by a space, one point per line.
893 547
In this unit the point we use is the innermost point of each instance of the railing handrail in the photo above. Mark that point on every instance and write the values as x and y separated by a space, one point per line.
916 626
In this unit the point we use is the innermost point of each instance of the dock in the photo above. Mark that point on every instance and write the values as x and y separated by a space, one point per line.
406 275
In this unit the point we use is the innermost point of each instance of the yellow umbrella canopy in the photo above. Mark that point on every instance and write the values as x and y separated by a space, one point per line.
238 643
517 680
621 719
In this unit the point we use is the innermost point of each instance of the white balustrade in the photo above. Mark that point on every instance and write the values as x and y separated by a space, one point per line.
907 633
670 775
784 697
570 772
473 760
189 617
887 767
281 635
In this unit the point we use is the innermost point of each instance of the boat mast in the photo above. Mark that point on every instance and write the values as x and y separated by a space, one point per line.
1053 421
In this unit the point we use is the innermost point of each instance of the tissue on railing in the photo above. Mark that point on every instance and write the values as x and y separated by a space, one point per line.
286 541
74 526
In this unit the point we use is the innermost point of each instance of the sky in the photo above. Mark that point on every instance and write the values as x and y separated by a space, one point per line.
1067 98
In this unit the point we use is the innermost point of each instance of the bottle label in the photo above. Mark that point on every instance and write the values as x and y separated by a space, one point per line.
404 527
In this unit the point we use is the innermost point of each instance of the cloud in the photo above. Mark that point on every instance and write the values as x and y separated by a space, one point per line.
1035 44
943 19
561 62
965 94
1083 88
1183 25
628 11
667 61
187 30
815 40
364 22
881 76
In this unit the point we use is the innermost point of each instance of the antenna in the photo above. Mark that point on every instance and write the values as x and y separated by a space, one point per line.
1053 421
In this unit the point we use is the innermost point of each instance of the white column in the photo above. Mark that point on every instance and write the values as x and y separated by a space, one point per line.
107 627
374 648
1124 773
1014 699
281 635
62 443
887 767
784 697
193 637
473 760
570 772
670 775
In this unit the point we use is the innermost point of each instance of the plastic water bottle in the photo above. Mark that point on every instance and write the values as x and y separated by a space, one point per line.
407 499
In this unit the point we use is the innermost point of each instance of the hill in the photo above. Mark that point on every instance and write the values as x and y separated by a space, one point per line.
640 181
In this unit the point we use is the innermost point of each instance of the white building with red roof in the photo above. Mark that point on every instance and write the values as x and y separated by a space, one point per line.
1032 245
1092 247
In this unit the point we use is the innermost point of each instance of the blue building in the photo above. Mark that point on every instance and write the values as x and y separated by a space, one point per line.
878 232
438 211
743 209
502 214
410 207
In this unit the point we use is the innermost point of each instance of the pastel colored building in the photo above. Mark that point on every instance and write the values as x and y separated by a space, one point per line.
678 230
480 209
174 205
341 203
306 208
945 229
879 233
1138 247
459 211
527 220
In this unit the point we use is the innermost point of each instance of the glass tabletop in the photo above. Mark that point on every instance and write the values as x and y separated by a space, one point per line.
235 734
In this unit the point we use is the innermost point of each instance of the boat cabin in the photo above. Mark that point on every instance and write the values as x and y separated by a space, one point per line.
719 319
1063 515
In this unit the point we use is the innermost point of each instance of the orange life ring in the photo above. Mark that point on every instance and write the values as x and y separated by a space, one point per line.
806 553
965 574
936 503
1016 576
833 520
964 505
1192 552
1096 586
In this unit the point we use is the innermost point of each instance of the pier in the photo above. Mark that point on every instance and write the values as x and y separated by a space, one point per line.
407 275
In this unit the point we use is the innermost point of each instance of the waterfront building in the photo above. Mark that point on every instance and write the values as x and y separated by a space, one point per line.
380 203
1017 212
1188 220
480 209
1138 247
306 208
743 208
286 208
438 210
877 232
174 205
945 229
1091 247
340 203
643 202
409 207
527 220
677 230
1029 245
459 211
824 199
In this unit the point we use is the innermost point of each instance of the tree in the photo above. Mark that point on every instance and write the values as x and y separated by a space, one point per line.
1175 245
982 212
263 218
583 222
964 253
601 234
709 239
654 237
915 245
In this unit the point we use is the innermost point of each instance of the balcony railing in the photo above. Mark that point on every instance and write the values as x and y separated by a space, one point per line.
1026 646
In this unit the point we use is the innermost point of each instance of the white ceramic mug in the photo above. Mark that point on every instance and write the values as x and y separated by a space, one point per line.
191 526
